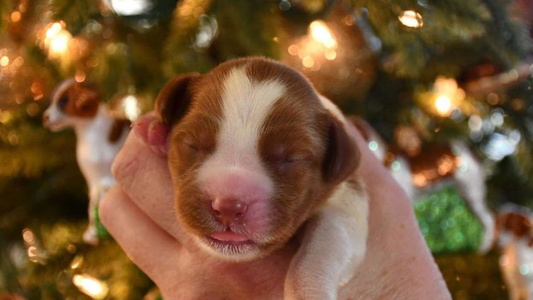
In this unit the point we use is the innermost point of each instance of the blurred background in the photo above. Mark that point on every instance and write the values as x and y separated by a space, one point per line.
446 84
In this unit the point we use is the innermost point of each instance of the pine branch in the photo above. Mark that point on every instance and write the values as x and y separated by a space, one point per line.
500 82
4 14
75 13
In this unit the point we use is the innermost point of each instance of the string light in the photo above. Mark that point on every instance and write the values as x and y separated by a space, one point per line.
76 262
57 40
443 104
446 96
80 76
90 286
131 107
411 18
16 16
207 32
4 61
18 62
32 254
317 45
321 33
28 236
129 7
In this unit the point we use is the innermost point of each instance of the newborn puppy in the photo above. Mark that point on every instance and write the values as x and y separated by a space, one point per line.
257 155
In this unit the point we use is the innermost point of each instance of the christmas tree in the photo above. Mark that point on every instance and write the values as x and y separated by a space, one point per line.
421 72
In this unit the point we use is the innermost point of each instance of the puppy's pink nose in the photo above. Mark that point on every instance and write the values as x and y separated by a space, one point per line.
228 211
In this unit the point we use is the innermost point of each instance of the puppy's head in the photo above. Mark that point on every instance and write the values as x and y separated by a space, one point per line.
71 102
253 154
516 223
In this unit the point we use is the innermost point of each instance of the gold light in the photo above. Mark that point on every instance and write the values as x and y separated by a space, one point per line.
411 18
447 96
80 76
330 54
57 40
419 179
90 286
28 236
443 105
131 107
317 45
321 33
16 16
76 262
33 253
4 61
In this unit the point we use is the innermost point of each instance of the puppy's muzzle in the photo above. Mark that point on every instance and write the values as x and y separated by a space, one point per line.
229 211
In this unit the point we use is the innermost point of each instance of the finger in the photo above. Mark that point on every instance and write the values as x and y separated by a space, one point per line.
137 234
152 132
143 175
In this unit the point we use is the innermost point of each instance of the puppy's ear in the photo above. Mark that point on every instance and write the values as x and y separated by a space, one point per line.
364 128
86 99
342 156
174 99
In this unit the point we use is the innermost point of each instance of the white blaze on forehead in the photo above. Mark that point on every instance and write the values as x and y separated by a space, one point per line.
246 104
61 89
53 112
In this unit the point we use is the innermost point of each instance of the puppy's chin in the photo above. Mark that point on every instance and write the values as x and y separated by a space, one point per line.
236 251
56 126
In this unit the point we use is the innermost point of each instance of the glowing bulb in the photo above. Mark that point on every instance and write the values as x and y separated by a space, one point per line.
308 62
59 44
293 49
443 105
475 123
54 29
131 107
28 236
420 179
57 40
130 7
90 286
76 262
16 16
80 76
4 61
411 18
330 54
321 33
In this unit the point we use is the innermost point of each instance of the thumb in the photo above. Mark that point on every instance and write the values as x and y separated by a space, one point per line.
143 175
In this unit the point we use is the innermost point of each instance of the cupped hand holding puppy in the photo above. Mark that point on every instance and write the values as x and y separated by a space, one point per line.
139 213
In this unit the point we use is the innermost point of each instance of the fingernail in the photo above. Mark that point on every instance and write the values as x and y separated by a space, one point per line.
140 127
157 137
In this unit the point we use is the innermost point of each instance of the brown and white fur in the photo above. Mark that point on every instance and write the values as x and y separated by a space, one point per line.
515 240
256 155
99 138
463 170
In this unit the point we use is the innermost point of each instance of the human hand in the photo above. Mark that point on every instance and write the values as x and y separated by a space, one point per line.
139 213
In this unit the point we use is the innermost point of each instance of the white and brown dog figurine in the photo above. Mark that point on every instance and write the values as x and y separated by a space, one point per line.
433 166
256 155
515 240
99 137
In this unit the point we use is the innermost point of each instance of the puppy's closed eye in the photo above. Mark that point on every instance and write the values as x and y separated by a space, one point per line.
285 158
191 144
194 143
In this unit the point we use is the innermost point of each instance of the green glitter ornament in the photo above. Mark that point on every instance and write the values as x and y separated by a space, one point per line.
447 223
